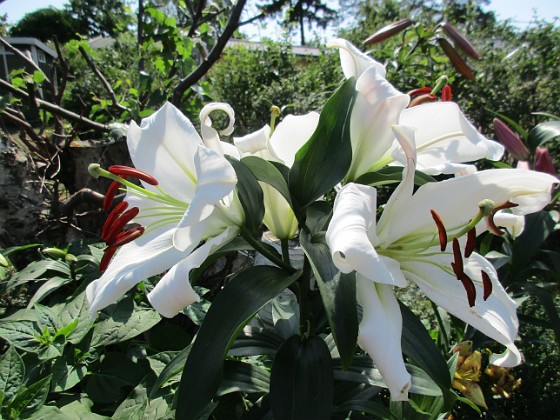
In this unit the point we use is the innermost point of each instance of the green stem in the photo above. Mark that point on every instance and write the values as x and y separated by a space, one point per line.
442 333
285 251
304 323
259 247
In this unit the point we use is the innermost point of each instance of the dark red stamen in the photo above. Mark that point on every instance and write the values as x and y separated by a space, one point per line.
492 227
457 265
441 230
119 208
125 171
110 195
487 284
421 99
446 95
107 256
469 288
128 236
119 224
419 91
471 242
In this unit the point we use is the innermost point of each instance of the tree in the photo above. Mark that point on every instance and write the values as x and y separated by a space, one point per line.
45 24
100 17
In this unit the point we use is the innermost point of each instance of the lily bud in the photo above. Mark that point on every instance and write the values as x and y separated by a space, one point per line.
388 31
511 140
460 40
456 60
543 161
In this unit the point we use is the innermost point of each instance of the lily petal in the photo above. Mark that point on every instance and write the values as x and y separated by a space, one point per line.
494 317
351 233
164 145
380 335
291 134
253 142
174 291
216 179
354 62
445 135
210 135
149 255
456 200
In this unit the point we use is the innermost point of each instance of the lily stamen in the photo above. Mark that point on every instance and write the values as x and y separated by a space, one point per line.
107 256
117 211
469 288
422 99
110 195
118 225
486 284
446 94
492 227
471 242
441 230
457 263
125 237
419 91
127 171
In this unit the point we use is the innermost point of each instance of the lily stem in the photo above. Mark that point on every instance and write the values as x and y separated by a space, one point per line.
304 322
262 249
442 332
285 251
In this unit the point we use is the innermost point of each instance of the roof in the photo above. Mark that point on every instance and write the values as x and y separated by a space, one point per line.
17 40
297 50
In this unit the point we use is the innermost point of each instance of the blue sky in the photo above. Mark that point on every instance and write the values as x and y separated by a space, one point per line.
519 11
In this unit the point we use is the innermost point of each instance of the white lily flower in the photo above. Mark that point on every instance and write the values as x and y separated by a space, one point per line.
409 243
445 139
187 198
288 137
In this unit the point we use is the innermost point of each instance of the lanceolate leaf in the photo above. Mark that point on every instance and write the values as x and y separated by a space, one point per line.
243 377
419 346
11 373
323 161
391 175
250 195
301 380
338 292
234 306
268 173
543 133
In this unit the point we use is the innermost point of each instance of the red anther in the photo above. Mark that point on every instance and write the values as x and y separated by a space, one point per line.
419 91
107 256
486 284
457 265
421 99
124 171
119 225
492 227
471 242
469 288
446 94
110 195
128 236
119 208
441 230
506 205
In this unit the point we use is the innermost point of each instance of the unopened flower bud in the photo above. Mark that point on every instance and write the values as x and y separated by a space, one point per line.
543 161
511 140
388 31
55 252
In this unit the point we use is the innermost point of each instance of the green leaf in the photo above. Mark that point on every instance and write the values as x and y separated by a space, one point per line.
256 342
65 374
31 398
543 133
234 306
77 309
21 334
126 322
243 377
38 76
318 214
48 287
12 372
323 161
419 346
173 368
391 175
546 299
338 292
138 406
375 410
266 172
301 380
538 227
250 195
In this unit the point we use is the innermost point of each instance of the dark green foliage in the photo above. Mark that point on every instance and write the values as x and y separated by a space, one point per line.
45 24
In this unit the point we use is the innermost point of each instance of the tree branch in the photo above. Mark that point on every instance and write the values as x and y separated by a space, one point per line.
24 58
55 109
214 55
102 79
